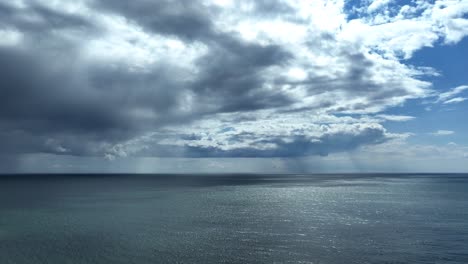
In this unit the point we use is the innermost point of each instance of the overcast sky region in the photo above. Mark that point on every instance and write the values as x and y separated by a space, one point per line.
271 86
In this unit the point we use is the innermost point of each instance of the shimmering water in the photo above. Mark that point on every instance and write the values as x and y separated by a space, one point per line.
234 219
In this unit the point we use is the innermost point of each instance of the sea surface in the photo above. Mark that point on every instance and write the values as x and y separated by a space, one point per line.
347 218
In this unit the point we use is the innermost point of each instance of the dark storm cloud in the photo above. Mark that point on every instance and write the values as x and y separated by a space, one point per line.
229 78
82 106
66 107
53 100
44 100
290 146
33 93
37 19
186 19
269 7
78 107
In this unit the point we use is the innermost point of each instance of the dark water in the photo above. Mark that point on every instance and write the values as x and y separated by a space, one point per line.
234 219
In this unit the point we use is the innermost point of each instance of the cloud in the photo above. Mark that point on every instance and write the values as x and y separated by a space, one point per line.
396 118
376 4
449 97
399 30
211 78
268 137
443 133
455 100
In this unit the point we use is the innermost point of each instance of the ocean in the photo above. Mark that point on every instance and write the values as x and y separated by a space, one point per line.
124 218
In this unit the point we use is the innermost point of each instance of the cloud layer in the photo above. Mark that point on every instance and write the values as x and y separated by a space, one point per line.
213 78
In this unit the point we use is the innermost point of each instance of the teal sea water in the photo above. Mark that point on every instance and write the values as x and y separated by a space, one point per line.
234 219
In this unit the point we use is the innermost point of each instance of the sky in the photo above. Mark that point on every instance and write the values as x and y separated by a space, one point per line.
208 86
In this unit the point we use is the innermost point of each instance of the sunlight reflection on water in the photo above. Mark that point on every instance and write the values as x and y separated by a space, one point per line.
259 219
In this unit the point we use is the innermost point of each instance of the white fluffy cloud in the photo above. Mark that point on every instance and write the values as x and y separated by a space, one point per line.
443 133
451 96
